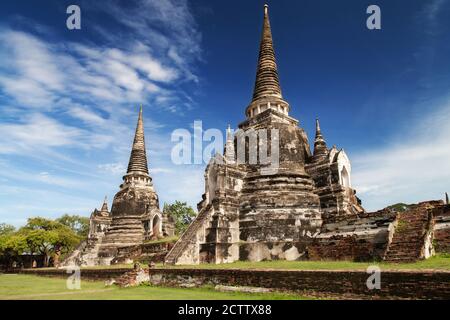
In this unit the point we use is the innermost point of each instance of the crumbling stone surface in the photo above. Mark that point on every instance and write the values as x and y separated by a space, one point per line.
441 239
149 252
413 230
251 211
362 238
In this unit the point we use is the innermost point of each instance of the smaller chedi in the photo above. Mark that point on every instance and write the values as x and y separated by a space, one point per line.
135 216
99 221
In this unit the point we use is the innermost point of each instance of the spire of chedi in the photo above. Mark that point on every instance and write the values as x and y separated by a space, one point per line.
104 205
137 172
267 90
229 146
267 82
320 146
138 157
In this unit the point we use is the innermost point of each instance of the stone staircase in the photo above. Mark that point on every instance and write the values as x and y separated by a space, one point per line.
189 236
75 257
410 237
86 254
90 255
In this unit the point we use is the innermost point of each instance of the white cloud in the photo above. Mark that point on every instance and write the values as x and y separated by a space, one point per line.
414 167
31 58
39 72
180 37
113 168
39 131
69 108
82 79
143 61
185 183
160 170
85 114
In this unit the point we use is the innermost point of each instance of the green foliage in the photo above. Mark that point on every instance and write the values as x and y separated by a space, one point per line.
49 238
11 246
181 213
39 236
399 207
78 224
6 229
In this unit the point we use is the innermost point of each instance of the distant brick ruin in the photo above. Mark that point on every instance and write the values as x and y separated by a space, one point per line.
135 215
307 208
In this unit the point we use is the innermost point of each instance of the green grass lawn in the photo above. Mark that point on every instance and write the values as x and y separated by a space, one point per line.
16 287
438 262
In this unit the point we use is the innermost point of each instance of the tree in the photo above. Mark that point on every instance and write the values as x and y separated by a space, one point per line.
6 229
399 207
181 213
78 224
11 247
49 238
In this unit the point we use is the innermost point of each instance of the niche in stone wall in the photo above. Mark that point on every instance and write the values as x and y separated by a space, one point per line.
156 225
345 178
211 183
344 168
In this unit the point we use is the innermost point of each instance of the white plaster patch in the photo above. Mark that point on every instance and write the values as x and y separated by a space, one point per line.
292 254
259 252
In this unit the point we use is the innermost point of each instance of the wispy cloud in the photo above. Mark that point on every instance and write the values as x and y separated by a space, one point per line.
430 15
92 82
417 157
113 168
40 73
69 107
29 136
179 40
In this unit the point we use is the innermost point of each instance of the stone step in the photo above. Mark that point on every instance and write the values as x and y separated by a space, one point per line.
408 240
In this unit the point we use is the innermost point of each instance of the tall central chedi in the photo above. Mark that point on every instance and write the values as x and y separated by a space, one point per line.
269 207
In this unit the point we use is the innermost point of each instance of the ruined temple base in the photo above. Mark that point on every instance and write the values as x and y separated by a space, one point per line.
280 250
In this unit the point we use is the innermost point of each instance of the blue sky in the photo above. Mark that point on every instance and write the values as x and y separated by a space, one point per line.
69 99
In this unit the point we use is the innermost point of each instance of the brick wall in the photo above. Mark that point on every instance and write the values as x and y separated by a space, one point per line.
416 285
442 240
442 229
394 284
342 248
86 274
